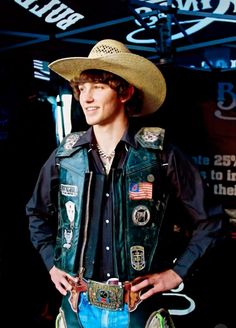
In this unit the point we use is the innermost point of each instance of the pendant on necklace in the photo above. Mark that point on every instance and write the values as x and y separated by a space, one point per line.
106 158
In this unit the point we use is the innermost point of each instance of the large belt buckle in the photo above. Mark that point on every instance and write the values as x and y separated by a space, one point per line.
106 295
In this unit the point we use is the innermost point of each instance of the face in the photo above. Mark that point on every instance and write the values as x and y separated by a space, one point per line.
100 103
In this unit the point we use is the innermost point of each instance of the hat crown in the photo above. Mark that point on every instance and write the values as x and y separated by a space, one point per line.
107 47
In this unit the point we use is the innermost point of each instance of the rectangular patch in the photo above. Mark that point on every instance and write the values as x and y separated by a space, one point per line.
69 190
140 190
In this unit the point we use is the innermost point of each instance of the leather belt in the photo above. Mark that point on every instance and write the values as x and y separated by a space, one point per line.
111 295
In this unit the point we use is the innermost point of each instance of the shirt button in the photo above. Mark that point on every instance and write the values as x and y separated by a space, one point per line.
108 274
107 195
107 248
107 221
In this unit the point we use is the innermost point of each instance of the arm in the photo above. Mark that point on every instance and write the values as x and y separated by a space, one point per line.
41 210
206 221
187 187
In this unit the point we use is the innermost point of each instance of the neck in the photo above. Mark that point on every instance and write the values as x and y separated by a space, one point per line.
109 136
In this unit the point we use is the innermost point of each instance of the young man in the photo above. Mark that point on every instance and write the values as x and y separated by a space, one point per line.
107 190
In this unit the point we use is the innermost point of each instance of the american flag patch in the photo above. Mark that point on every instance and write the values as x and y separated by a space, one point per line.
141 190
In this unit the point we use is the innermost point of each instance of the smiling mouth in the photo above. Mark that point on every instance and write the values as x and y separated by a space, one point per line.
90 109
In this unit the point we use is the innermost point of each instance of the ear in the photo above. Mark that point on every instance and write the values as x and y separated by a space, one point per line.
127 94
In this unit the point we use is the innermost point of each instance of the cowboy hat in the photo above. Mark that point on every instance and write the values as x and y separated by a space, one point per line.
113 56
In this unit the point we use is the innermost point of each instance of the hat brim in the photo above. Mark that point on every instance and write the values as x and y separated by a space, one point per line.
135 69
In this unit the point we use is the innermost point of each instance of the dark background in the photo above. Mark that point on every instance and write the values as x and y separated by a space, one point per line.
27 136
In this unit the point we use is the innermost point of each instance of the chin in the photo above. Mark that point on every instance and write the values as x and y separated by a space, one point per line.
91 122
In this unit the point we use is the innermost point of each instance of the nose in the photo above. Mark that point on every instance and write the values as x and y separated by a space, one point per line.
87 95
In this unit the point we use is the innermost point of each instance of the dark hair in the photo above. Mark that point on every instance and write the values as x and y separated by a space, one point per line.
133 105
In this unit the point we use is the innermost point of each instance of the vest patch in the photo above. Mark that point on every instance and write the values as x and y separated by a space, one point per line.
69 190
68 234
71 139
140 190
137 257
70 210
151 137
141 215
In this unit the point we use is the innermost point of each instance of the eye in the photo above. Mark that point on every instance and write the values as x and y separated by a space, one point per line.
99 86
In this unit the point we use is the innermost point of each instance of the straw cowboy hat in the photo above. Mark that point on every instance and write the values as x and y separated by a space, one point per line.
113 56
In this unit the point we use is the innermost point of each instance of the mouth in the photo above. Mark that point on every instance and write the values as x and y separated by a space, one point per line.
91 108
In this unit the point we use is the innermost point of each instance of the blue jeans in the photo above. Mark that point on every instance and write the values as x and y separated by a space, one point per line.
92 316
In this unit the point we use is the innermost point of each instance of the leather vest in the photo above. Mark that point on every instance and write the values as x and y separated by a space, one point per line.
139 203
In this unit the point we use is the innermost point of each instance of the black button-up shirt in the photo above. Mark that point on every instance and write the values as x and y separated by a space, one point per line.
106 267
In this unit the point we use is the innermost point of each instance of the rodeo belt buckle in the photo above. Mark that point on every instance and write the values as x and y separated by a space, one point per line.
106 295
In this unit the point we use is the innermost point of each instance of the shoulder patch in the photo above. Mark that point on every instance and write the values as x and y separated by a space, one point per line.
71 139
151 137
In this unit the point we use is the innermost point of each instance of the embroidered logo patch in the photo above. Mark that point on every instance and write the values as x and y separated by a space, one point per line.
141 215
137 257
72 139
69 190
149 135
70 210
140 190
68 234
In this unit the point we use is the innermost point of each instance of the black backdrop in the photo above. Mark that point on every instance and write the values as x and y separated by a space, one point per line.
198 115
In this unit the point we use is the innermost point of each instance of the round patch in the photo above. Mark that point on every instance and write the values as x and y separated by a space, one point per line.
150 178
141 215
